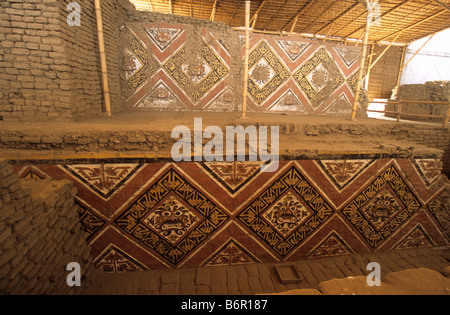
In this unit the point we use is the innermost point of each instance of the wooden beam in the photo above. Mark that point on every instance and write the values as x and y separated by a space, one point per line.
338 17
384 51
191 10
361 68
442 4
255 16
328 33
372 48
151 5
426 42
101 45
170 7
213 12
296 17
415 24
246 57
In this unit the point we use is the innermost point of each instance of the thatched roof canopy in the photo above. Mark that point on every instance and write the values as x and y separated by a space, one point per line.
342 19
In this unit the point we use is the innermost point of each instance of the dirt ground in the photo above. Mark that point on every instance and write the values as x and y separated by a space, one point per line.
299 134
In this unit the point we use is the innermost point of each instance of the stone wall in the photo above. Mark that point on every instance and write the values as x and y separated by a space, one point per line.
40 234
50 70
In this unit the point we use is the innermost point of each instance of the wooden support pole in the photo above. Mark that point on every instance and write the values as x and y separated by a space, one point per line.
171 6
295 19
151 5
399 111
426 42
400 70
101 45
447 116
361 67
328 33
384 51
372 49
191 10
213 12
247 45
255 16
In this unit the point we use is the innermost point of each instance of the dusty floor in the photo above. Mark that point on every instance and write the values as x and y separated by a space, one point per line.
299 134
403 272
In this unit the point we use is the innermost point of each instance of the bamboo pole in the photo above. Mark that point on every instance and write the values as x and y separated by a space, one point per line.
361 67
399 76
328 33
447 116
372 48
101 44
255 16
404 66
384 51
213 12
247 44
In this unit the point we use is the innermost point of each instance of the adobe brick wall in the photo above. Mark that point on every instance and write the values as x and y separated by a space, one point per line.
40 234
49 70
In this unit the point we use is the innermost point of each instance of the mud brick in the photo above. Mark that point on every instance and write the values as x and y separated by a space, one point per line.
233 287
170 277
254 285
7 256
187 282
203 276
5 232
203 289
232 273
309 277
244 286
169 289
252 270
219 285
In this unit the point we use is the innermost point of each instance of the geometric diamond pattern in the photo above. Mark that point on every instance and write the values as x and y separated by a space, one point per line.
313 207
139 65
319 77
197 73
167 215
381 208
171 227
266 72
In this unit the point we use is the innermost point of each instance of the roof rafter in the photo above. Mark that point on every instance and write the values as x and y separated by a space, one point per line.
415 24
382 16
338 17
442 4
255 16
324 11
296 17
